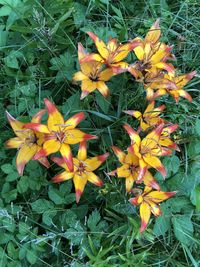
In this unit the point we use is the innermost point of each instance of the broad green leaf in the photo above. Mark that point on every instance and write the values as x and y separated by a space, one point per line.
183 228
31 256
195 197
162 223
55 195
41 205
197 127
22 184
7 168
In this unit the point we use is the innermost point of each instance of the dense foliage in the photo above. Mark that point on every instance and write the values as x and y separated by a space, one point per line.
41 224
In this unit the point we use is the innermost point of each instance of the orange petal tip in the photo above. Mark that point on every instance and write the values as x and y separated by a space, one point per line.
103 157
78 195
90 137
49 105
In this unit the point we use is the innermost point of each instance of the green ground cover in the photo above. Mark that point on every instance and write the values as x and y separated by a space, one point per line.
40 222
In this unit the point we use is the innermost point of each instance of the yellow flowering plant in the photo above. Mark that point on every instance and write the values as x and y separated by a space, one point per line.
149 142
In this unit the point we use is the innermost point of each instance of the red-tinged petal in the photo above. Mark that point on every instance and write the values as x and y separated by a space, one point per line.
24 155
81 51
94 163
124 171
37 127
112 173
135 201
16 125
119 153
112 45
100 45
64 176
38 116
92 57
165 66
75 136
66 153
15 142
94 179
165 151
84 94
150 181
44 161
155 209
154 33
159 196
55 120
155 163
79 183
145 214
134 113
49 147
129 181
142 170
170 129
185 94
61 162
82 152
153 136
103 88
135 138
74 120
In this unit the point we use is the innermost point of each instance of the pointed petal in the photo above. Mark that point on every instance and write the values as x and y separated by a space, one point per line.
155 163
155 209
94 179
16 125
159 196
82 152
74 120
100 45
165 66
66 153
60 162
38 116
135 138
105 75
150 181
79 76
81 51
55 119
119 153
134 113
153 137
49 147
145 214
123 171
185 94
129 183
44 161
79 183
64 176
75 136
37 127
94 163
103 88
143 168
154 33
15 142
24 155
92 57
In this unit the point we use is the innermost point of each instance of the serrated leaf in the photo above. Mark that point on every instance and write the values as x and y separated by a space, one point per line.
7 168
22 185
55 195
41 205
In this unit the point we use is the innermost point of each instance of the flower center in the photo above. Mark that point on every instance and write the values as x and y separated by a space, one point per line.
81 168
60 136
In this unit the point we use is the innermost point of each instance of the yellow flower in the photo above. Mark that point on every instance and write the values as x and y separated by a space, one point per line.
110 54
148 150
130 170
149 203
92 76
59 134
177 91
27 141
165 137
152 54
82 171
150 117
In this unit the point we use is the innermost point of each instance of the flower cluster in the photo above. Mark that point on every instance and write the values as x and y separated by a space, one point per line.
36 141
151 68
148 144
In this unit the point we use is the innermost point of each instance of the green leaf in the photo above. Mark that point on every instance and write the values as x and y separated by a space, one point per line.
195 197
197 127
47 216
8 193
55 195
162 224
171 164
22 185
183 229
101 115
11 61
41 205
12 176
7 168
31 256
102 102
75 234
